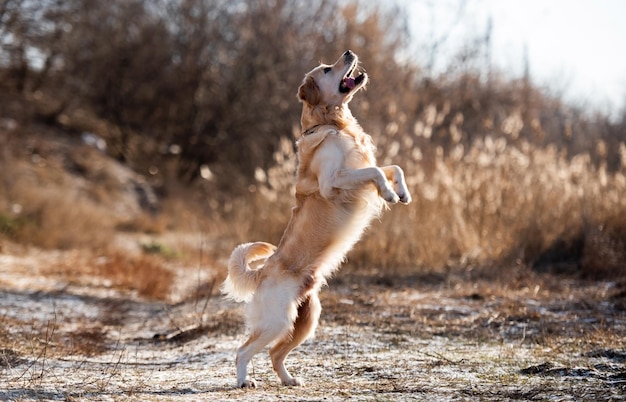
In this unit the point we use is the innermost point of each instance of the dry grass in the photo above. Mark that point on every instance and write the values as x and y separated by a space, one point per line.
58 194
498 203
505 279
61 221
537 338
458 289
145 275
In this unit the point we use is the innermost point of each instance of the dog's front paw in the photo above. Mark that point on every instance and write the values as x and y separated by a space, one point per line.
405 197
391 197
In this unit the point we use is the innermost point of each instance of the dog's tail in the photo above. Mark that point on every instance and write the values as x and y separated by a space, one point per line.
242 280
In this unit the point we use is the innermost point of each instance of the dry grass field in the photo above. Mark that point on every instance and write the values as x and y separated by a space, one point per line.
96 336
502 202
504 280
142 140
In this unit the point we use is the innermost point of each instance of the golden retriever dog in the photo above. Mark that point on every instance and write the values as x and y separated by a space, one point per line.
339 189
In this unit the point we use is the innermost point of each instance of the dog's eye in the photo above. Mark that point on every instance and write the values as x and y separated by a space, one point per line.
327 69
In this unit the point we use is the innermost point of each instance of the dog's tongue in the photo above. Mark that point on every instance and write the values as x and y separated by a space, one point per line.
349 82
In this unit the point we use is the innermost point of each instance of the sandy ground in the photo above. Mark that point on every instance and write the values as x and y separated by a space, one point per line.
440 337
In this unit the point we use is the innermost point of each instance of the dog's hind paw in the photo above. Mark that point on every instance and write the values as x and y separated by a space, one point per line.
247 384
293 382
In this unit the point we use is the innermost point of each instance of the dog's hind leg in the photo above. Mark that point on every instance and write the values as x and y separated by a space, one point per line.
305 324
255 343
271 315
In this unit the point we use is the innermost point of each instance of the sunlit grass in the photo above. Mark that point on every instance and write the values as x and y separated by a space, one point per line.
502 201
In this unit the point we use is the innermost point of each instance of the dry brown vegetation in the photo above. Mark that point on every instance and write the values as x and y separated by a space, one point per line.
499 202
443 337
503 173
504 279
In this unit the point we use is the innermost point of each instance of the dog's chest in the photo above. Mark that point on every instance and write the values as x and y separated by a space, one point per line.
359 149
359 153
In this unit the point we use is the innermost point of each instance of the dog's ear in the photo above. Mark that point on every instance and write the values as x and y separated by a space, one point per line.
309 92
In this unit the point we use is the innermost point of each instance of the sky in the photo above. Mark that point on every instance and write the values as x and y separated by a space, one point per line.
576 48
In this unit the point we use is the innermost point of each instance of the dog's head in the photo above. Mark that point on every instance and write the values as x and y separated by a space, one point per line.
333 85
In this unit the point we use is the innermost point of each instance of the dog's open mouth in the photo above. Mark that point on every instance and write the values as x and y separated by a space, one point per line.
348 83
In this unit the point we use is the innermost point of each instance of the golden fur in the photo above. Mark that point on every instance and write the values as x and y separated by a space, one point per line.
339 190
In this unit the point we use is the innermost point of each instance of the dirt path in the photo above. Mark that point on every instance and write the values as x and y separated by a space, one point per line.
415 339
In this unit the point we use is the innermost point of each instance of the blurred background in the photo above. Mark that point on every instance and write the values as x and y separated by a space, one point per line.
179 116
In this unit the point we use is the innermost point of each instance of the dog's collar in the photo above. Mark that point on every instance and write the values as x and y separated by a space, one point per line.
310 130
